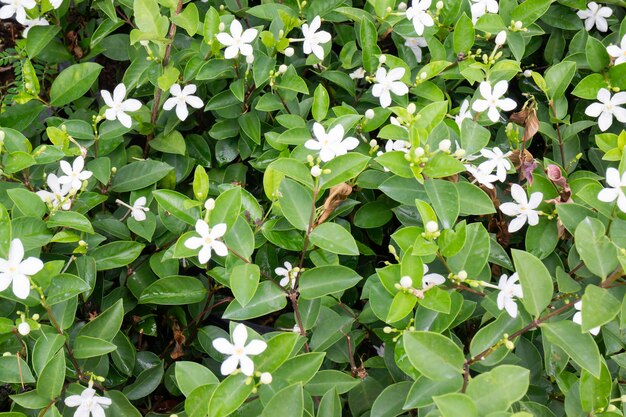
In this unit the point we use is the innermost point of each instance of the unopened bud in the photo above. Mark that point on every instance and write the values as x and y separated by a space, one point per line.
528 73
501 38
432 226
411 108
209 204
459 153
289 51
387 329
250 59
382 59
419 152
296 329
406 282
222 27
373 143
23 328
282 69
509 345
402 7
462 275
518 25
439 5
316 171
82 243
445 145
369 114
423 75
266 378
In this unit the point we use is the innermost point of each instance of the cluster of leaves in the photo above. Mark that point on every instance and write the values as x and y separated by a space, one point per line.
313 208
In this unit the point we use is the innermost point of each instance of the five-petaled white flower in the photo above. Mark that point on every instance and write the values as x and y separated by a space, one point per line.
618 52
180 98
416 45
31 23
509 289
464 113
88 404
482 7
238 351
17 8
16 270
313 38
491 99
578 318
138 209
615 189
430 280
418 14
58 196
595 15
523 209
239 41
74 174
208 240
289 277
389 82
483 178
118 106
496 160
330 144
607 108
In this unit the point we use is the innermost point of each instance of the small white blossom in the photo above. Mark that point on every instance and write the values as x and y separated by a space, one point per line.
523 209
578 318
429 280
406 282
509 289
58 196
464 113
607 108
482 7
396 145
118 106
416 45
23 328
615 189
418 14
314 38
330 144
139 209
208 241
380 350
181 98
358 73
618 52
17 8
16 270
595 15
74 174
31 23
288 274
56 3
238 41
389 82
483 178
238 351
88 404
491 99
496 160
501 38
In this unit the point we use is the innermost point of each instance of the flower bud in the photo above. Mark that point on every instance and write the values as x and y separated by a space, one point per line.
373 143
518 25
221 27
419 152
281 33
35 317
316 171
369 114
423 75
406 282
459 153
501 38
282 69
387 329
382 59
444 145
266 378
250 59
209 204
289 51
23 328
462 275
432 226
439 5
411 108
296 329
402 7
528 73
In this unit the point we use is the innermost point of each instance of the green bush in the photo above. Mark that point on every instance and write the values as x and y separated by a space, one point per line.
312 208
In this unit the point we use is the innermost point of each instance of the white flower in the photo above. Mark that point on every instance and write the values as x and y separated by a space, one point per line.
607 108
614 190
358 73
501 38
483 178
118 106
30 23
313 39
208 240
16 270
389 82
58 194
492 101
23 328
17 8
88 404
578 318
523 209
482 7
496 160
416 45
330 144
180 98
396 145
464 113
509 289
406 282
238 351
380 350
56 3
289 277
139 209
239 41
418 13
429 280
74 174
618 52
595 15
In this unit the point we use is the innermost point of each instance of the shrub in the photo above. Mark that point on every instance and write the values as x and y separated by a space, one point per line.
317 207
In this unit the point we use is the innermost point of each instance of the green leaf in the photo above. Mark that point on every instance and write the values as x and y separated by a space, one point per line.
12 372
497 389
107 324
579 346
39 37
444 198
596 250
227 207
52 377
434 355
473 200
323 280
70 219
536 281
401 306
65 286
330 405
473 257
286 402
463 35
589 86
188 19
149 20
279 349
138 175
29 203
328 379
598 307
244 280
267 299
335 239
190 375
5 232
116 254
174 290
320 103
530 10
596 54
73 82
145 383
342 169
443 165
456 404
179 205
296 203
558 78
88 347
229 395
595 392
389 403
369 44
